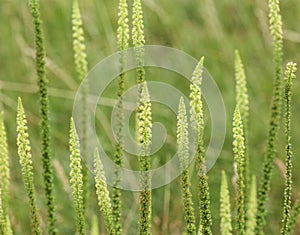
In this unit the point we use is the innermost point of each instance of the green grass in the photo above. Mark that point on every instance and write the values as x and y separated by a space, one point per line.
210 28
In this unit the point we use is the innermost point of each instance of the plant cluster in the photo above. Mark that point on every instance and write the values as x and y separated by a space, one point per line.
249 206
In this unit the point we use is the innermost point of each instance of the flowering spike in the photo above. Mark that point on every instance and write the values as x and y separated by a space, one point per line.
138 39
242 98
252 208
24 152
225 214
275 23
183 154
123 43
197 122
239 158
44 112
76 179
103 194
144 137
79 48
4 176
291 69
81 66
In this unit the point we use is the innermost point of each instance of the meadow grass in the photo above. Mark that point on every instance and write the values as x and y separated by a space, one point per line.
210 27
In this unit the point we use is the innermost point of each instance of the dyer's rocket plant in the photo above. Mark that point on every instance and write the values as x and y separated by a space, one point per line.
103 194
143 120
25 158
5 227
81 67
289 76
144 137
76 180
44 112
239 158
242 101
123 43
197 122
251 208
138 39
275 22
225 210
183 154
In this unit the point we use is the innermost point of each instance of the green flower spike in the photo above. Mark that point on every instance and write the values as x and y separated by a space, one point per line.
291 69
144 137
44 112
225 214
197 122
252 208
242 101
183 153
103 194
76 179
24 149
239 158
277 35
138 39
123 43
5 227
81 66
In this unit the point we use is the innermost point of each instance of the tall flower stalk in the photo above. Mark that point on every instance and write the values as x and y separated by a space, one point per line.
239 158
197 121
81 66
183 154
76 180
44 112
225 214
5 227
291 69
275 22
103 194
251 209
138 39
24 152
122 42
144 137
242 101
294 217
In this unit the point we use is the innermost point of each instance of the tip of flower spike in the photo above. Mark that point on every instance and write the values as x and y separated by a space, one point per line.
197 74
72 124
181 105
20 105
145 93
75 4
201 61
290 71
237 53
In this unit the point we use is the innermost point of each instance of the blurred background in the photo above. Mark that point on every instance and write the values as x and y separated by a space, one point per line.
209 28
